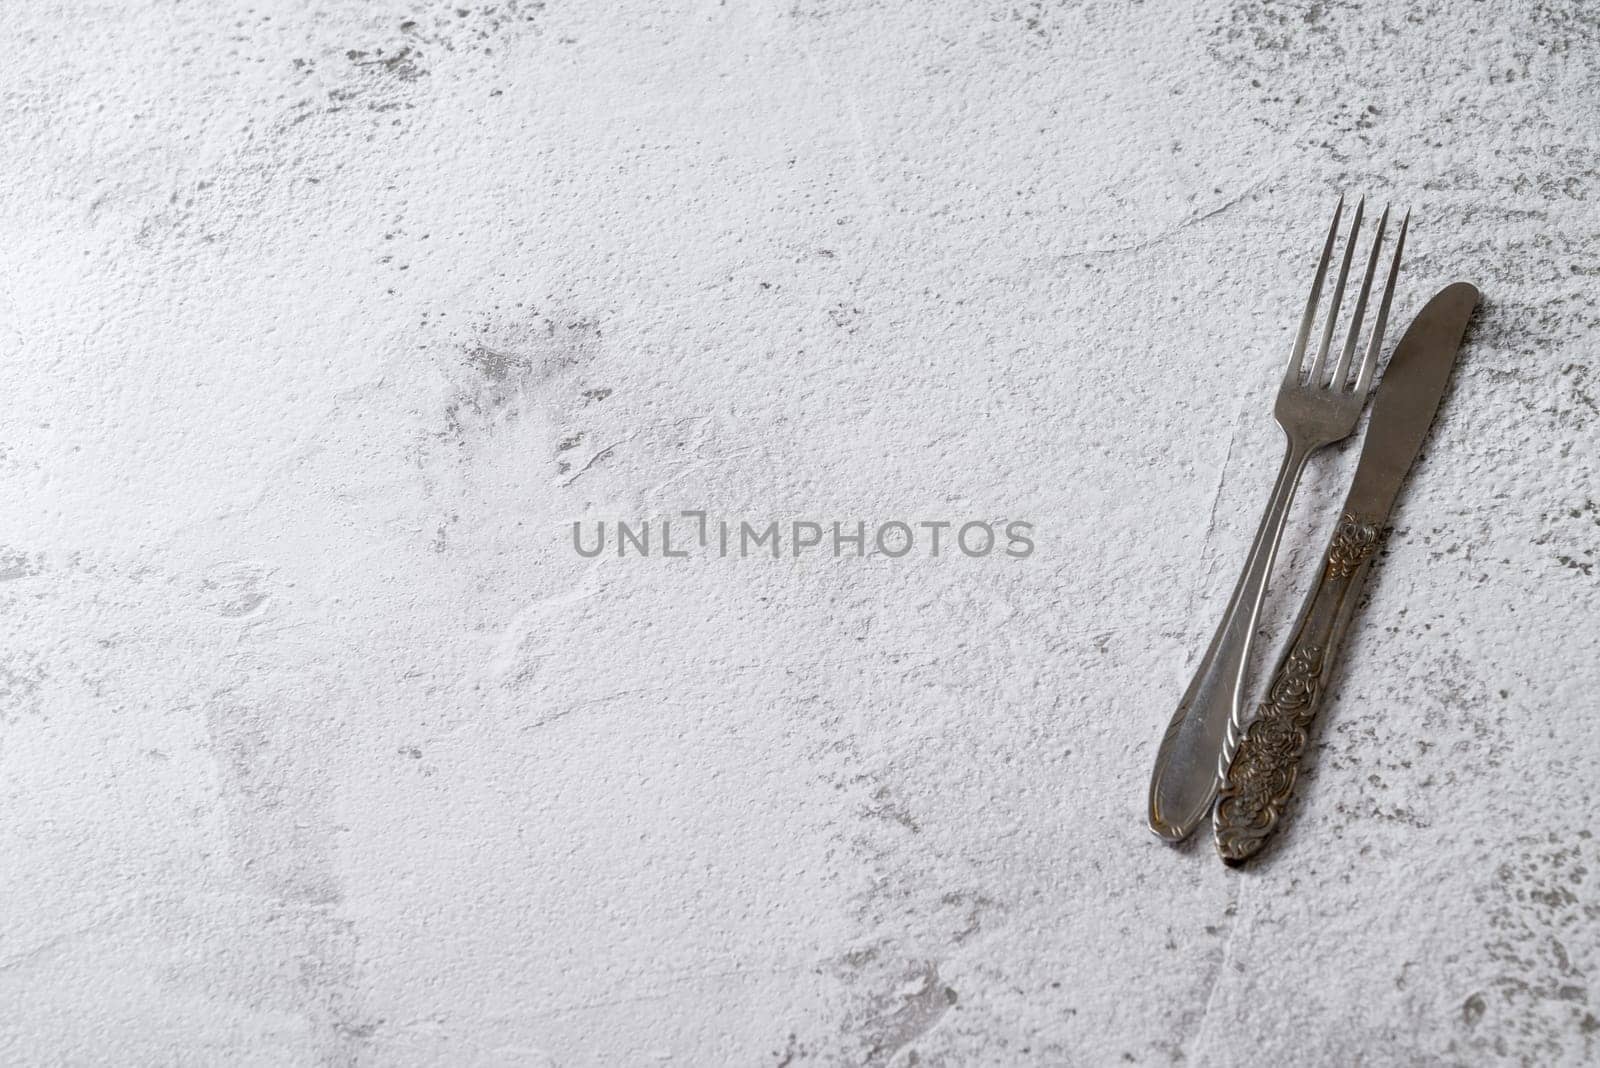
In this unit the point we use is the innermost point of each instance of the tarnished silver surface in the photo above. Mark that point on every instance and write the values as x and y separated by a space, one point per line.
1315 407
1257 783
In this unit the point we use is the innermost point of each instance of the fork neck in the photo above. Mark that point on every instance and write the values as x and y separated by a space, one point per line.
1302 442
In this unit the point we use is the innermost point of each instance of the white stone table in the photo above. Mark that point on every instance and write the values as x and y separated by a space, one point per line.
322 323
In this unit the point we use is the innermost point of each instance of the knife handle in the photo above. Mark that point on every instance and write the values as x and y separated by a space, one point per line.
1266 754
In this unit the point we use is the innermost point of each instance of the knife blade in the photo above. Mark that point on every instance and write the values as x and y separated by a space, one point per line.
1408 397
1261 761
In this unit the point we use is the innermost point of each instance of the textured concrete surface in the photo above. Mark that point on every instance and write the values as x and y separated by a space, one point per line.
322 323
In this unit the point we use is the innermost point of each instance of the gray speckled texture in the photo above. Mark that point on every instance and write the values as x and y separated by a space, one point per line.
322 322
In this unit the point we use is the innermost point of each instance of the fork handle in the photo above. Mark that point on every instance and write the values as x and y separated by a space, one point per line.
1262 774
1191 755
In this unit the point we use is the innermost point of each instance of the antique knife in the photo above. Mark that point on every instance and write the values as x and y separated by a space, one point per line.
1265 756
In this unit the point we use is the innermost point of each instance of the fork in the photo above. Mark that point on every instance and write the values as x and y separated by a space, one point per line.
1315 408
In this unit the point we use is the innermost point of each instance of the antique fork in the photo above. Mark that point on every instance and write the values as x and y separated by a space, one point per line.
1316 407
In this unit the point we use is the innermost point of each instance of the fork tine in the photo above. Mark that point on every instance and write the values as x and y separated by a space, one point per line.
1315 379
1341 373
1292 375
1370 364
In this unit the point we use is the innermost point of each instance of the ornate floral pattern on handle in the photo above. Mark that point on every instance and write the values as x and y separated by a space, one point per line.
1353 542
1266 763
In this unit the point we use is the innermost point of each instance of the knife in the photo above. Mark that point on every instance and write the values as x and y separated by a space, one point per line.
1260 762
